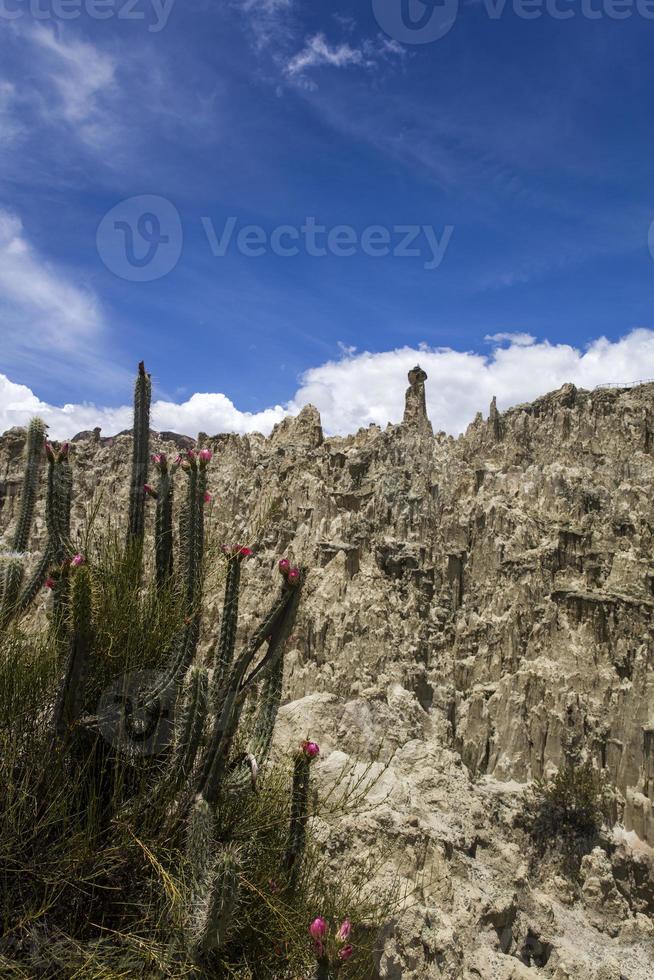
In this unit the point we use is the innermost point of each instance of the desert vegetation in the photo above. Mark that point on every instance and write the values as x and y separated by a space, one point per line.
145 829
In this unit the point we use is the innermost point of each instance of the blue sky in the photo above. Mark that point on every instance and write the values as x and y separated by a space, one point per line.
529 139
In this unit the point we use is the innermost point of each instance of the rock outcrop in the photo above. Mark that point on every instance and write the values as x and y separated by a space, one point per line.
471 603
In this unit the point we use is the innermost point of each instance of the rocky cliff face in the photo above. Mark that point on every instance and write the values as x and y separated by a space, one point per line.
470 603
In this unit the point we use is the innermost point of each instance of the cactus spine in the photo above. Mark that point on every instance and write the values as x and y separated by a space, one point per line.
140 451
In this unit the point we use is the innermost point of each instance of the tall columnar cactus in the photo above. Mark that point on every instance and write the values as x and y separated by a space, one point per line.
190 718
163 527
69 706
14 569
275 630
227 637
140 454
299 812
215 900
16 597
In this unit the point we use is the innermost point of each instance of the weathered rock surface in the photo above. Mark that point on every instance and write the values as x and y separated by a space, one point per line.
469 602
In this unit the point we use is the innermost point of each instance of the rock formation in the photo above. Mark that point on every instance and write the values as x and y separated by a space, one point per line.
470 604
415 406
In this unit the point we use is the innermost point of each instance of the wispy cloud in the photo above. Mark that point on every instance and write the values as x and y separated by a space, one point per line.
363 388
51 320
317 51
62 314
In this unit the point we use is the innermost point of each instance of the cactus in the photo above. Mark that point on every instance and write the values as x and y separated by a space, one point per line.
276 628
200 768
70 702
227 638
214 901
299 816
163 532
14 601
189 721
140 452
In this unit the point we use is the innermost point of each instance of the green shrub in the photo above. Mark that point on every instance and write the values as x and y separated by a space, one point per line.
565 814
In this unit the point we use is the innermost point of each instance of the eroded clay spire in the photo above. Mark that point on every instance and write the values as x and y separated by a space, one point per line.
415 406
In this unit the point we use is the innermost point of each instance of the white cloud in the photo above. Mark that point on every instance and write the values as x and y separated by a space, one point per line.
83 77
58 313
519 339
362 388
317 51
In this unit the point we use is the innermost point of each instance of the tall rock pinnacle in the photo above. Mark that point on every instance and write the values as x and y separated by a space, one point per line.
415 407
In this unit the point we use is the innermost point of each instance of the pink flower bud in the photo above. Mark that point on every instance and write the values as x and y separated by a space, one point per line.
190 455
177 460
49 583
63 452
318 928
312 750
319 949
284 566
345 952
205 455
150 491
77 560
207 497
344 930
156 458
294 576
49 451
245 552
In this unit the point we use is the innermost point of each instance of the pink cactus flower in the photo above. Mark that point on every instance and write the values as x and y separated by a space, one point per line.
345 952
77 560
294 576
177 460
312 751
149 489
49 451
207 497
344 931
63 452
318 928
284 566
205 455
245 552
158 458
190 455
49 583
